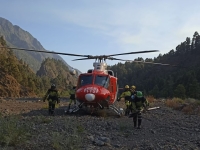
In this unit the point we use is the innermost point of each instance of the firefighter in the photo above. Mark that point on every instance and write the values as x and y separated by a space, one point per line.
126 95
133 91
133 94
53 97
72 97
138 104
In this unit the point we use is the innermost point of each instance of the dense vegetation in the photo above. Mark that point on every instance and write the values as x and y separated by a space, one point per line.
22 81
166 81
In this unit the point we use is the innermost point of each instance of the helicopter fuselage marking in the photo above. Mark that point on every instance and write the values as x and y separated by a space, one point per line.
91 90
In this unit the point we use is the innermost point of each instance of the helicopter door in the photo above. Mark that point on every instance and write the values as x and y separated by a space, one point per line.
112 89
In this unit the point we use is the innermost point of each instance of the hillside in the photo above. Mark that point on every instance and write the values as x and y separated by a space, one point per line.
18 80
58 72
17 37
13 75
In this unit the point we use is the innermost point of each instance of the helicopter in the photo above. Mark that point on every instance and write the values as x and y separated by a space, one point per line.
98 87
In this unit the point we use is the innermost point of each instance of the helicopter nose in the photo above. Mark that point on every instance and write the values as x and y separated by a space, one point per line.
89 97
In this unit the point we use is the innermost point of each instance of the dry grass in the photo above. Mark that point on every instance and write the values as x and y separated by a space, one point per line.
188 106
174 103
150 99
188 109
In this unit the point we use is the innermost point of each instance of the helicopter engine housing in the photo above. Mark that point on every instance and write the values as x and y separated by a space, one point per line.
72 71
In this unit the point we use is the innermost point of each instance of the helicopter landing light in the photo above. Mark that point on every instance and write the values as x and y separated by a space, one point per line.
89 97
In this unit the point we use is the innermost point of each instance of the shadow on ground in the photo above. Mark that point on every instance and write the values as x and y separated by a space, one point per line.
61 111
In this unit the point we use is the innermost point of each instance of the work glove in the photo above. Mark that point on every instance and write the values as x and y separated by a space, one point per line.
144 105
145 109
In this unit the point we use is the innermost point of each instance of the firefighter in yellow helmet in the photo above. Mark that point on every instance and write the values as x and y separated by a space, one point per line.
52 96
126 95
133 91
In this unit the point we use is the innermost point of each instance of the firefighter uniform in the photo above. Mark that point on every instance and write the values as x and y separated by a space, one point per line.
72 97
52 96
138 104
126 95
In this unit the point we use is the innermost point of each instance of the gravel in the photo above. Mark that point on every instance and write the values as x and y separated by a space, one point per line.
162 128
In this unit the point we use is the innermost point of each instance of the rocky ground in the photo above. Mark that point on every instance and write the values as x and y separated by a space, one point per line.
162 128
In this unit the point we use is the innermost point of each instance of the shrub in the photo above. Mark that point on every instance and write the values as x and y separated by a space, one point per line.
188 106
188 109
68 140
150 99
12 131
174 103
170 103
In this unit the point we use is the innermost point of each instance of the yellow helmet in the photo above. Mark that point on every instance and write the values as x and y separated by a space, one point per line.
133 87
127 87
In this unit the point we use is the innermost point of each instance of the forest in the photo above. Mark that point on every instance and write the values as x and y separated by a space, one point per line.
22 81
180 79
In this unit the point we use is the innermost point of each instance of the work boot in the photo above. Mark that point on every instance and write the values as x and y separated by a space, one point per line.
69 106
139 124
52 113
135 124
49 111
126 113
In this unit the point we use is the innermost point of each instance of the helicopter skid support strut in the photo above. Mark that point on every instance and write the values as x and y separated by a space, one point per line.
119 111
100 106
76 108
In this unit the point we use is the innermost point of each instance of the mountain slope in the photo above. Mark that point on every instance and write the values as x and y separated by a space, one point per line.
17 37
14 75
18 80
58 72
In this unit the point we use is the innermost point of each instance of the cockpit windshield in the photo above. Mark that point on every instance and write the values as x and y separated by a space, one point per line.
102 80
85 80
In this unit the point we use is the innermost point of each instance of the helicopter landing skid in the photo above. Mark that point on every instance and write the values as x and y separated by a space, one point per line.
75 108
72 110
119 111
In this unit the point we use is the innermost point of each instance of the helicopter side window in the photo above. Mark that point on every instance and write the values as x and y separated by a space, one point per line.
102 81
85 80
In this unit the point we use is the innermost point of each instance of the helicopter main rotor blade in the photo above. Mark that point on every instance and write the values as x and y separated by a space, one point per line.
88 56
82 59
112 58
42 51
148 51
152 63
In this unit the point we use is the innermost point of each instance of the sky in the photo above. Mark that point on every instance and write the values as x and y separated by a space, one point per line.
104 27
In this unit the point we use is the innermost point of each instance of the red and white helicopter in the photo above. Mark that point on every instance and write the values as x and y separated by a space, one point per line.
98 88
